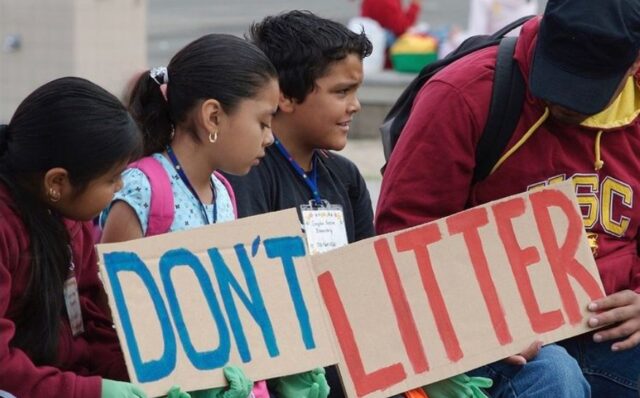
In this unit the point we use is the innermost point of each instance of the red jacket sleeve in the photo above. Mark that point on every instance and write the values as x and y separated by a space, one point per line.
19 376
429 173
390 15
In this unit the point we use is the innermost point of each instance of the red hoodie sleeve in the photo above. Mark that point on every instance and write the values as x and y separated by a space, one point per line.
390 15
18 375
429 173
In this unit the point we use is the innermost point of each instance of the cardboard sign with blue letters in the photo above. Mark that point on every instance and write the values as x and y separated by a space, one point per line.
186 304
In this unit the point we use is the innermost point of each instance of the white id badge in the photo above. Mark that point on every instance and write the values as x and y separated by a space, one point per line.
324 226
72 303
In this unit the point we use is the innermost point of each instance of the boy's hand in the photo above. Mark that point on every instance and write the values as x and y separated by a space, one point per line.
311 384
621 312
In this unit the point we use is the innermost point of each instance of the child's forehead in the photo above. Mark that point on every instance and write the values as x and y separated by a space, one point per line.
347 68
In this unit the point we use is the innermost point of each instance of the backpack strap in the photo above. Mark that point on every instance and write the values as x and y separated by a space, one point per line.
507 98
230 191
161 209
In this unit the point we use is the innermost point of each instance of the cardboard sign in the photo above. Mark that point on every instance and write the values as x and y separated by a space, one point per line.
188 303
426 303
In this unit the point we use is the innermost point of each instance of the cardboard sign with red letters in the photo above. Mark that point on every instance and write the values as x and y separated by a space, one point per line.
419 305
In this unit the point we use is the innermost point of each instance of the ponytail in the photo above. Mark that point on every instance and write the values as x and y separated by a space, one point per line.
150 109
216 66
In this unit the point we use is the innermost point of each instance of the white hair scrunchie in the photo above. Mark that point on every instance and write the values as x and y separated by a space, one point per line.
160 75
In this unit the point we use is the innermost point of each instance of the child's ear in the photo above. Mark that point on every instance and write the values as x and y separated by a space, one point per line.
286 104
56 184
209 118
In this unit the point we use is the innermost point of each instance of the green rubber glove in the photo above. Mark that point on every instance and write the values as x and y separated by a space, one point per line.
120 389
239 386
311 384
176 392
460 386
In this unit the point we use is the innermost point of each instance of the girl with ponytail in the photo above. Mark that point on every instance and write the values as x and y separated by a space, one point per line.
61 157
210 109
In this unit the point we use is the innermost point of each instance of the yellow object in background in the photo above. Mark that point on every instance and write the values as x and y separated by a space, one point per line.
411 52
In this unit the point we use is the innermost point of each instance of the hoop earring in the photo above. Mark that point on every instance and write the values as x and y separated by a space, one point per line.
213 137
173 132
53 195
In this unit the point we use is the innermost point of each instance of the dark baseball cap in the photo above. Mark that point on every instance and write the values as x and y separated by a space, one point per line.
584 50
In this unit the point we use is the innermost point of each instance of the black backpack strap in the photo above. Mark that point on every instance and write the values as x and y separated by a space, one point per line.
507 98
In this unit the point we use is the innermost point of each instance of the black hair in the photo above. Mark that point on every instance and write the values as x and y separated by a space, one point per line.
69 123
302 47
216 66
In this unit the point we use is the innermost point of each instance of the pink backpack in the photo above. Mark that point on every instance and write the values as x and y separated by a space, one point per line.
161 208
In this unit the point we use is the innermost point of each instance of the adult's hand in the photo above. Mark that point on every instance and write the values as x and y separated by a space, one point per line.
619 311
525 356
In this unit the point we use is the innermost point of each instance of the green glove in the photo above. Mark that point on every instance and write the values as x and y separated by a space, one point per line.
460 386
311 384
120 389
239 386
176 392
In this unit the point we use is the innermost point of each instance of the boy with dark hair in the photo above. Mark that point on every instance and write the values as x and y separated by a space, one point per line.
319 63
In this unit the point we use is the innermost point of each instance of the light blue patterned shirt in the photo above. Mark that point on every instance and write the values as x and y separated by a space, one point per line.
136 192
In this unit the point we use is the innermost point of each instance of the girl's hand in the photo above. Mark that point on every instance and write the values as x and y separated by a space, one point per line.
239 386
120 389
621 312
176 392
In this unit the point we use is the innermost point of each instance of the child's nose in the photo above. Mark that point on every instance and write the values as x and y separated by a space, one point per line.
268 139
355 106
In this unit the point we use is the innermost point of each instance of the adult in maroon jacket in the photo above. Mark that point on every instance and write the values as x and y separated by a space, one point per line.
60 162
579 121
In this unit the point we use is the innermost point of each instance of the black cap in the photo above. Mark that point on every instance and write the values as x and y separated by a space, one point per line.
584 50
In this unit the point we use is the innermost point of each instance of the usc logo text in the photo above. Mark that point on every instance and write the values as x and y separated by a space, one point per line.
603 202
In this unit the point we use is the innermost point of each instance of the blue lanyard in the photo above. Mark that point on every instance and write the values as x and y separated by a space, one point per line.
310 179
186 182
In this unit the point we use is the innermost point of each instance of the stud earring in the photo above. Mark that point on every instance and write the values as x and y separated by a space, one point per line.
53 195
213 137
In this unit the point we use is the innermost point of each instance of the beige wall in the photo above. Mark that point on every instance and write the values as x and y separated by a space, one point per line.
101 40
